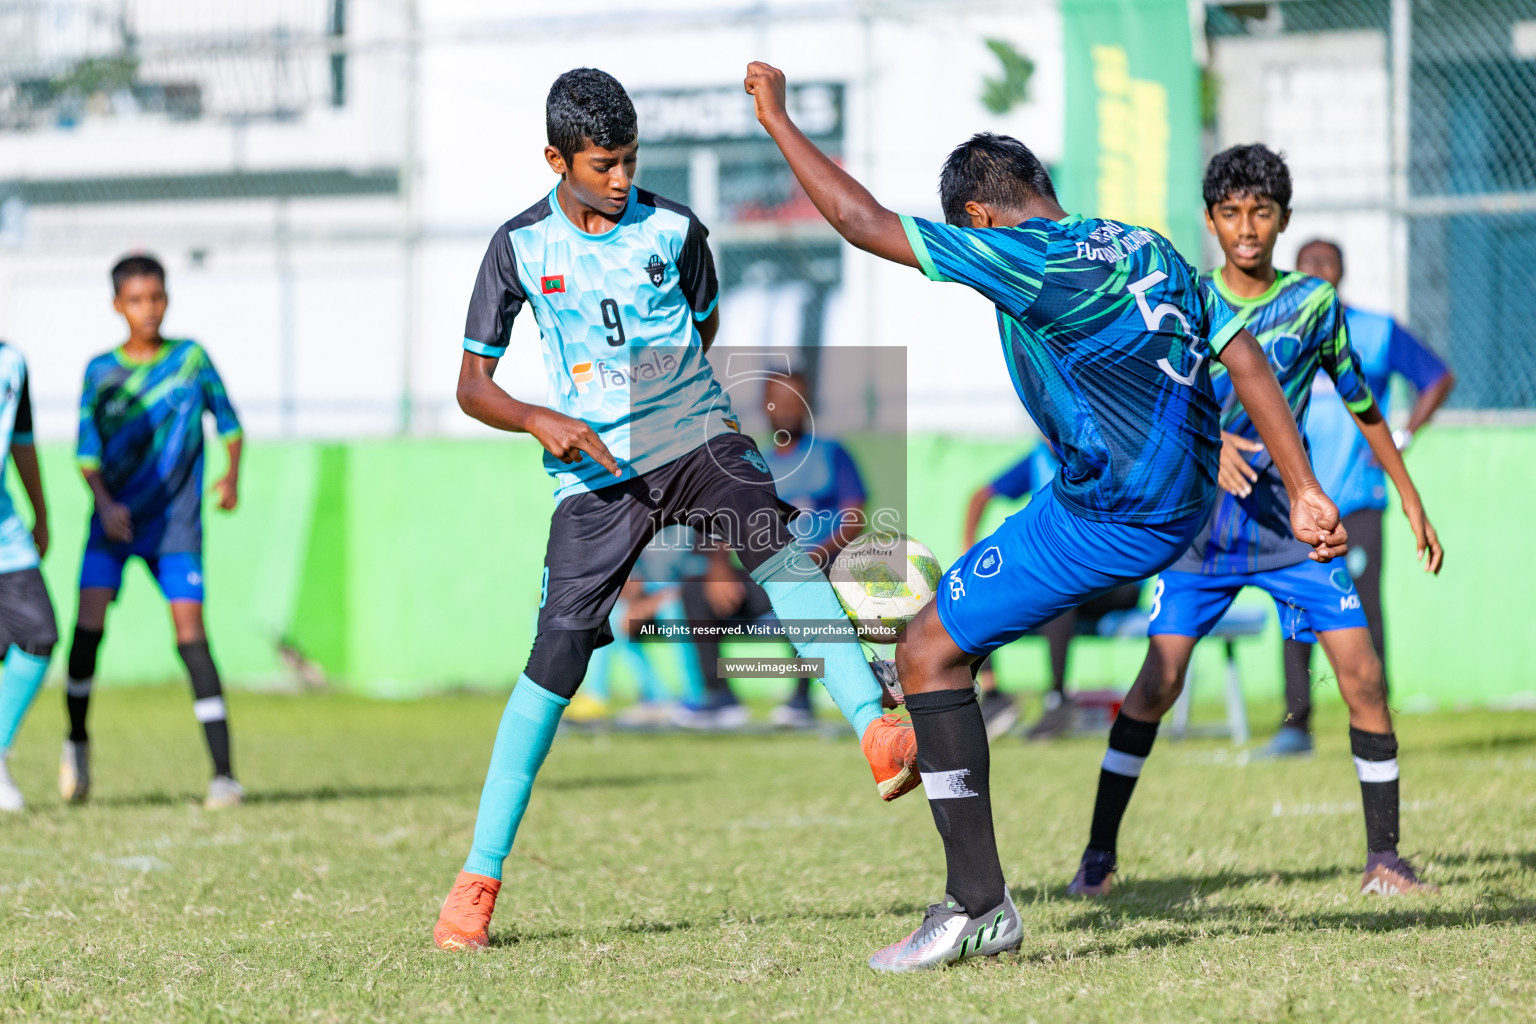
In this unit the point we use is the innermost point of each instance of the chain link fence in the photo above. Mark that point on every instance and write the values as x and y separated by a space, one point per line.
1410 126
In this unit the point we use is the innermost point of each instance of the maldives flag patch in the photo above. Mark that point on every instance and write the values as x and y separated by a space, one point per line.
551 285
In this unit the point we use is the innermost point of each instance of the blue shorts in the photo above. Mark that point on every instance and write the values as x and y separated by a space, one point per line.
1311 597
179 573
1043 561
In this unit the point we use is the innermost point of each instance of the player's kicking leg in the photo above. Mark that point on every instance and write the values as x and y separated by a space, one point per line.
28 632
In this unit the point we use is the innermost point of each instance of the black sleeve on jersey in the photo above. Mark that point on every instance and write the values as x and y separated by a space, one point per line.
24 407
498 293
695 264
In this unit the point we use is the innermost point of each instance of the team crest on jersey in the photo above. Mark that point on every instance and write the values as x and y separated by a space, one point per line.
657 269
553 285
757 461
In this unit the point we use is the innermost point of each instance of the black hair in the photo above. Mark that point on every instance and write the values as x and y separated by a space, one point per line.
588 107
995 169
137 265
1254 170
1338 253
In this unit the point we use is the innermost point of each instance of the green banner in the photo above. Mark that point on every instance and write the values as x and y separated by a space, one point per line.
1133 117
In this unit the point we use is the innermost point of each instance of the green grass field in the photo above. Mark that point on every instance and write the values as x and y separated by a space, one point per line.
745 878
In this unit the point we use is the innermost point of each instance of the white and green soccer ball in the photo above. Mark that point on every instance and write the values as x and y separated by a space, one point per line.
882 580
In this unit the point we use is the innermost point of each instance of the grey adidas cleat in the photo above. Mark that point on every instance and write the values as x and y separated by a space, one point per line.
948 934
10 796
75 771
223 791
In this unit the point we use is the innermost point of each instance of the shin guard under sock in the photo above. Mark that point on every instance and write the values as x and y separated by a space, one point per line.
799 592
1376 765
22 678
1130 742
522 742
82 675
208 702
956 766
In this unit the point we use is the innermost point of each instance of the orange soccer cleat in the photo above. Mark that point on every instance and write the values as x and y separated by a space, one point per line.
890 746
466 912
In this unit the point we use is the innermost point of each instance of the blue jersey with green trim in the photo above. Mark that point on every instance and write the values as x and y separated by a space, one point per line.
1108 336
17 551
617 315
1300 323
141 426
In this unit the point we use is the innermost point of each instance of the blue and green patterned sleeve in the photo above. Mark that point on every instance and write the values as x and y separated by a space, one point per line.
1340 361
1007 265
88 443
1220 322
217 399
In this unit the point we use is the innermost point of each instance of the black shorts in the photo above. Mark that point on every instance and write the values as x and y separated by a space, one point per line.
26 612
595 537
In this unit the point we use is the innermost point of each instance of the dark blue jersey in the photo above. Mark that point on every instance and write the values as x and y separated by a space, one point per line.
1108 336
141 426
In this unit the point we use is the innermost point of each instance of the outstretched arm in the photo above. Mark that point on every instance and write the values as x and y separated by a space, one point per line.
1374 426
564 437
845 203
1314 517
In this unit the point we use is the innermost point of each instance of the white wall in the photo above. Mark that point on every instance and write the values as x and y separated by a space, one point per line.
358 313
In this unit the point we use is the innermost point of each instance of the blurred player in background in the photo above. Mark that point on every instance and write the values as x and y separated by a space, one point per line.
816 475
1249 539
27 627
640 436
1351 475
141 451
1106 332
1027 476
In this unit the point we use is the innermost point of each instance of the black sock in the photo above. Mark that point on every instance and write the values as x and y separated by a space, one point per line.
208 702
1376 764
1298 685
1130 742
82 675
956 766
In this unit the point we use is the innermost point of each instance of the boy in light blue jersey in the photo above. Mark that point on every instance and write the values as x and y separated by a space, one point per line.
1108 336
1350 473
639 436
1249 539
27 628
140 450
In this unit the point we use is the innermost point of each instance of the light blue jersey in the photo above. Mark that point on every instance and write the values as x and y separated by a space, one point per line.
617 315
1345 467
17 551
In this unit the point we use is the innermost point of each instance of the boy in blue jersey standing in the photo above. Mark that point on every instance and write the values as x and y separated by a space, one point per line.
1350 474
639 436
27 627
1248 539
141 451
1107 334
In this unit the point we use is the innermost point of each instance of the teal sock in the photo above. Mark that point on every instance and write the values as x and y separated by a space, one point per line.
798 590
522 742
22 679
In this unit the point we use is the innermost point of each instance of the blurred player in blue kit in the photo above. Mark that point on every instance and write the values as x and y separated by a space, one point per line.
1108 336
1351 475
140 449
639 436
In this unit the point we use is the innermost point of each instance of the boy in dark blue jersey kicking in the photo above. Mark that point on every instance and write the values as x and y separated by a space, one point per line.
1247 541
141 451
1108 336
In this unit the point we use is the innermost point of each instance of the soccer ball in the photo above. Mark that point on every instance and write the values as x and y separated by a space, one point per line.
882 580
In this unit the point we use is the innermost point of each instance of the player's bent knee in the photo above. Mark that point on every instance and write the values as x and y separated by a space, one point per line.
558 661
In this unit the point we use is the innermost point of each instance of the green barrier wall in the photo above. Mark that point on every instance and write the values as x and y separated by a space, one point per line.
406 567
